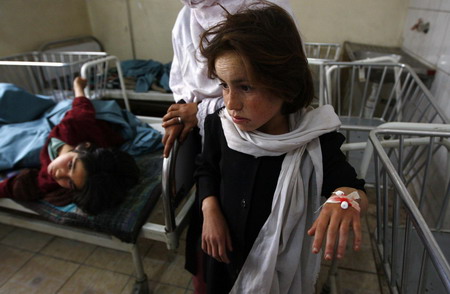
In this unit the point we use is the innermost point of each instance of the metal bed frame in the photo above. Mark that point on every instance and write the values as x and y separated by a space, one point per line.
49 73
368 93
317 54
175 215
412 193
323 51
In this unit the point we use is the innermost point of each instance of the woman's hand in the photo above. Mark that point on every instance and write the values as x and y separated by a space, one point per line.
178 122
335 223
216 239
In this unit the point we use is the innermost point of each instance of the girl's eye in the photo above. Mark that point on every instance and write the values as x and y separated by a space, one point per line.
70 164
223 85
246 88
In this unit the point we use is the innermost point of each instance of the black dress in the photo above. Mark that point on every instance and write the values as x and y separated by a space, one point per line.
245 186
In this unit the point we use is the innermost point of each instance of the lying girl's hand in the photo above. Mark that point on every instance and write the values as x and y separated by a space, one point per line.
335 223
216 239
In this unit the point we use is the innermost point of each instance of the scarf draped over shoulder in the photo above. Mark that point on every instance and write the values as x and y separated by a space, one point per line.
280 260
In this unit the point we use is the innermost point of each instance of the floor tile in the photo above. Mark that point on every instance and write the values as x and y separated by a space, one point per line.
168 289
11 261
5 229
129 286
362 283
68 249
110 259
361 260
85 269
26 239
41 274
175 274
157 261
89 280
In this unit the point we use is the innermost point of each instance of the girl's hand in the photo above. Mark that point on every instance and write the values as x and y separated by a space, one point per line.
216 239
335 223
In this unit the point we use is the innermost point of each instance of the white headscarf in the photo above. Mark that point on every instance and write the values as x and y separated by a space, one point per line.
280 261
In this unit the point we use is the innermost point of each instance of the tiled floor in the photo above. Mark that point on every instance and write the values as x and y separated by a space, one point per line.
39 263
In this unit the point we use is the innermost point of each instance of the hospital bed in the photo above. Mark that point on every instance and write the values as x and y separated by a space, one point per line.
92 44
317 54
368 93
167 184
323 51
412 195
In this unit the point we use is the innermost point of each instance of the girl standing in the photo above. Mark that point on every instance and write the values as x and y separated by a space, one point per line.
267 158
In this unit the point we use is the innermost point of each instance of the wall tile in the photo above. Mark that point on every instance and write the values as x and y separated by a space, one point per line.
418 3
445 6
411 39
426 46
433 40
444 52
434 4
426 4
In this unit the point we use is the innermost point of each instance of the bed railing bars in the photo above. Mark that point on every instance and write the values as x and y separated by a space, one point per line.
407 233
394 91
96 72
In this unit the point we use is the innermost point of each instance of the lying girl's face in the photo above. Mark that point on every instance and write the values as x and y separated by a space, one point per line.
68 171
250 106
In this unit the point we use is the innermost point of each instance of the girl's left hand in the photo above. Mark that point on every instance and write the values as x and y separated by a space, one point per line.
335 223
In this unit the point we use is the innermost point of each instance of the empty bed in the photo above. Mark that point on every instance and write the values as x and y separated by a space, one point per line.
412 193
367 94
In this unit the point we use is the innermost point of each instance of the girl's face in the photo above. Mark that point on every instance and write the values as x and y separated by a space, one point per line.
250 106
68 171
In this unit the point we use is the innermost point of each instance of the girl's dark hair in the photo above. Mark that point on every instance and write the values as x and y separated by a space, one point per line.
110 174
267 39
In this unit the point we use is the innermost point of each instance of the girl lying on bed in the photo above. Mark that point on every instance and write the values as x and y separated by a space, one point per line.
80 163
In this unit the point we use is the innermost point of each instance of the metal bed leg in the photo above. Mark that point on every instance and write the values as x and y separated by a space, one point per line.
141 284
330 286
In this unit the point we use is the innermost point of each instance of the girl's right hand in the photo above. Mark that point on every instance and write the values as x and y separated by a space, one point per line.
216 239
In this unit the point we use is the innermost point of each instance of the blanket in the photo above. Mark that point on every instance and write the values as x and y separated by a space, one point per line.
27 119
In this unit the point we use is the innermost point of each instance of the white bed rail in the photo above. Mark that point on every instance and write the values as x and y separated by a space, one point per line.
366 94
412 189
323 51
318 54
96 72
46 73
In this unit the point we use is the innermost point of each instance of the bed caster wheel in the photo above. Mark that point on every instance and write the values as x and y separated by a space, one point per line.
141 287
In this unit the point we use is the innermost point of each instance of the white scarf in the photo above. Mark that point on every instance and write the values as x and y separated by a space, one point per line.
280 260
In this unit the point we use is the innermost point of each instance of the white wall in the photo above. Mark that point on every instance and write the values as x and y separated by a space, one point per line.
377 22
135 28
26 24
366 21
433 47
141 28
